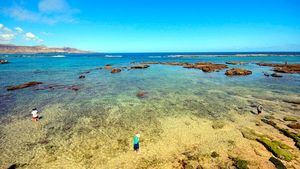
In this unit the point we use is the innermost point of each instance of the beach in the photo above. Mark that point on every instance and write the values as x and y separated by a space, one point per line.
189 115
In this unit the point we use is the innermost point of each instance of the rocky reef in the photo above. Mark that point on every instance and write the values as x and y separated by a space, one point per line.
283 68
237 72
24 85
204 66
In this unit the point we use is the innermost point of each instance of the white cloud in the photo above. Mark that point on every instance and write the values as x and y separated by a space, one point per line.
49 12
6 37
30 36
50 6
19 30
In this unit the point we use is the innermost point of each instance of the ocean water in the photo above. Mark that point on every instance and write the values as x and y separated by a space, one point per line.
106 104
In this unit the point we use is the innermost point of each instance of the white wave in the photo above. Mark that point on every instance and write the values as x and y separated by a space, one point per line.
59 56
113 56
154 56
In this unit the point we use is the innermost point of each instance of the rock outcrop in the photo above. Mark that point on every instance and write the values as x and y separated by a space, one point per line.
204 66
237 72
283 68
22 86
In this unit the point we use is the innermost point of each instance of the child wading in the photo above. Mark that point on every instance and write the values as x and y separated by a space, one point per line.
136 142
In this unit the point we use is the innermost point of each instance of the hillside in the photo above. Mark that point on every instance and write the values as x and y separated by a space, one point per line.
14 49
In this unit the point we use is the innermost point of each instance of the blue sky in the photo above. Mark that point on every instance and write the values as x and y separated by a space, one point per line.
153 25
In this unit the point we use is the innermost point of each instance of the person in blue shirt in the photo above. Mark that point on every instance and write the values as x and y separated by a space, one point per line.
136 142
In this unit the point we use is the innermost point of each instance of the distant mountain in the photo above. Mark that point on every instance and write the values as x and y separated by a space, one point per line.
14 49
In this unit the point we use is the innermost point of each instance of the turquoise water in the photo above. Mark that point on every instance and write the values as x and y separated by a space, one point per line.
100 83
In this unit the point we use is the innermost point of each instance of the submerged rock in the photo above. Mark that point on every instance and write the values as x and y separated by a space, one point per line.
276 149
142 94
278 164
115 70
214 154
2 61
81 77
276 75
294 125
237 72
22 86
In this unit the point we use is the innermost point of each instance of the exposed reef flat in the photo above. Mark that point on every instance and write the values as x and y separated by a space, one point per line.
283 68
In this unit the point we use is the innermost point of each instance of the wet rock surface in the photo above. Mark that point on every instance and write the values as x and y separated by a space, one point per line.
237 72
283 68
24 85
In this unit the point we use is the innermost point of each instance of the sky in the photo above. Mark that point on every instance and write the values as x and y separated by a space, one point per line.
153 25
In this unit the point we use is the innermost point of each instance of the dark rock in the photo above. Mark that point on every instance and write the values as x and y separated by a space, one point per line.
294 136
294 125
115 70
276 75
266 74
22 86
278 164
81 77
141 66
237 72
3 61
142 94
214 154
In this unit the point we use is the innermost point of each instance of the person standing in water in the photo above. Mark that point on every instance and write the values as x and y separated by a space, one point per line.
136 142
35 115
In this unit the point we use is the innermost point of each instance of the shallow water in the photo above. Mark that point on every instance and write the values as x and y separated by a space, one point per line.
105 109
